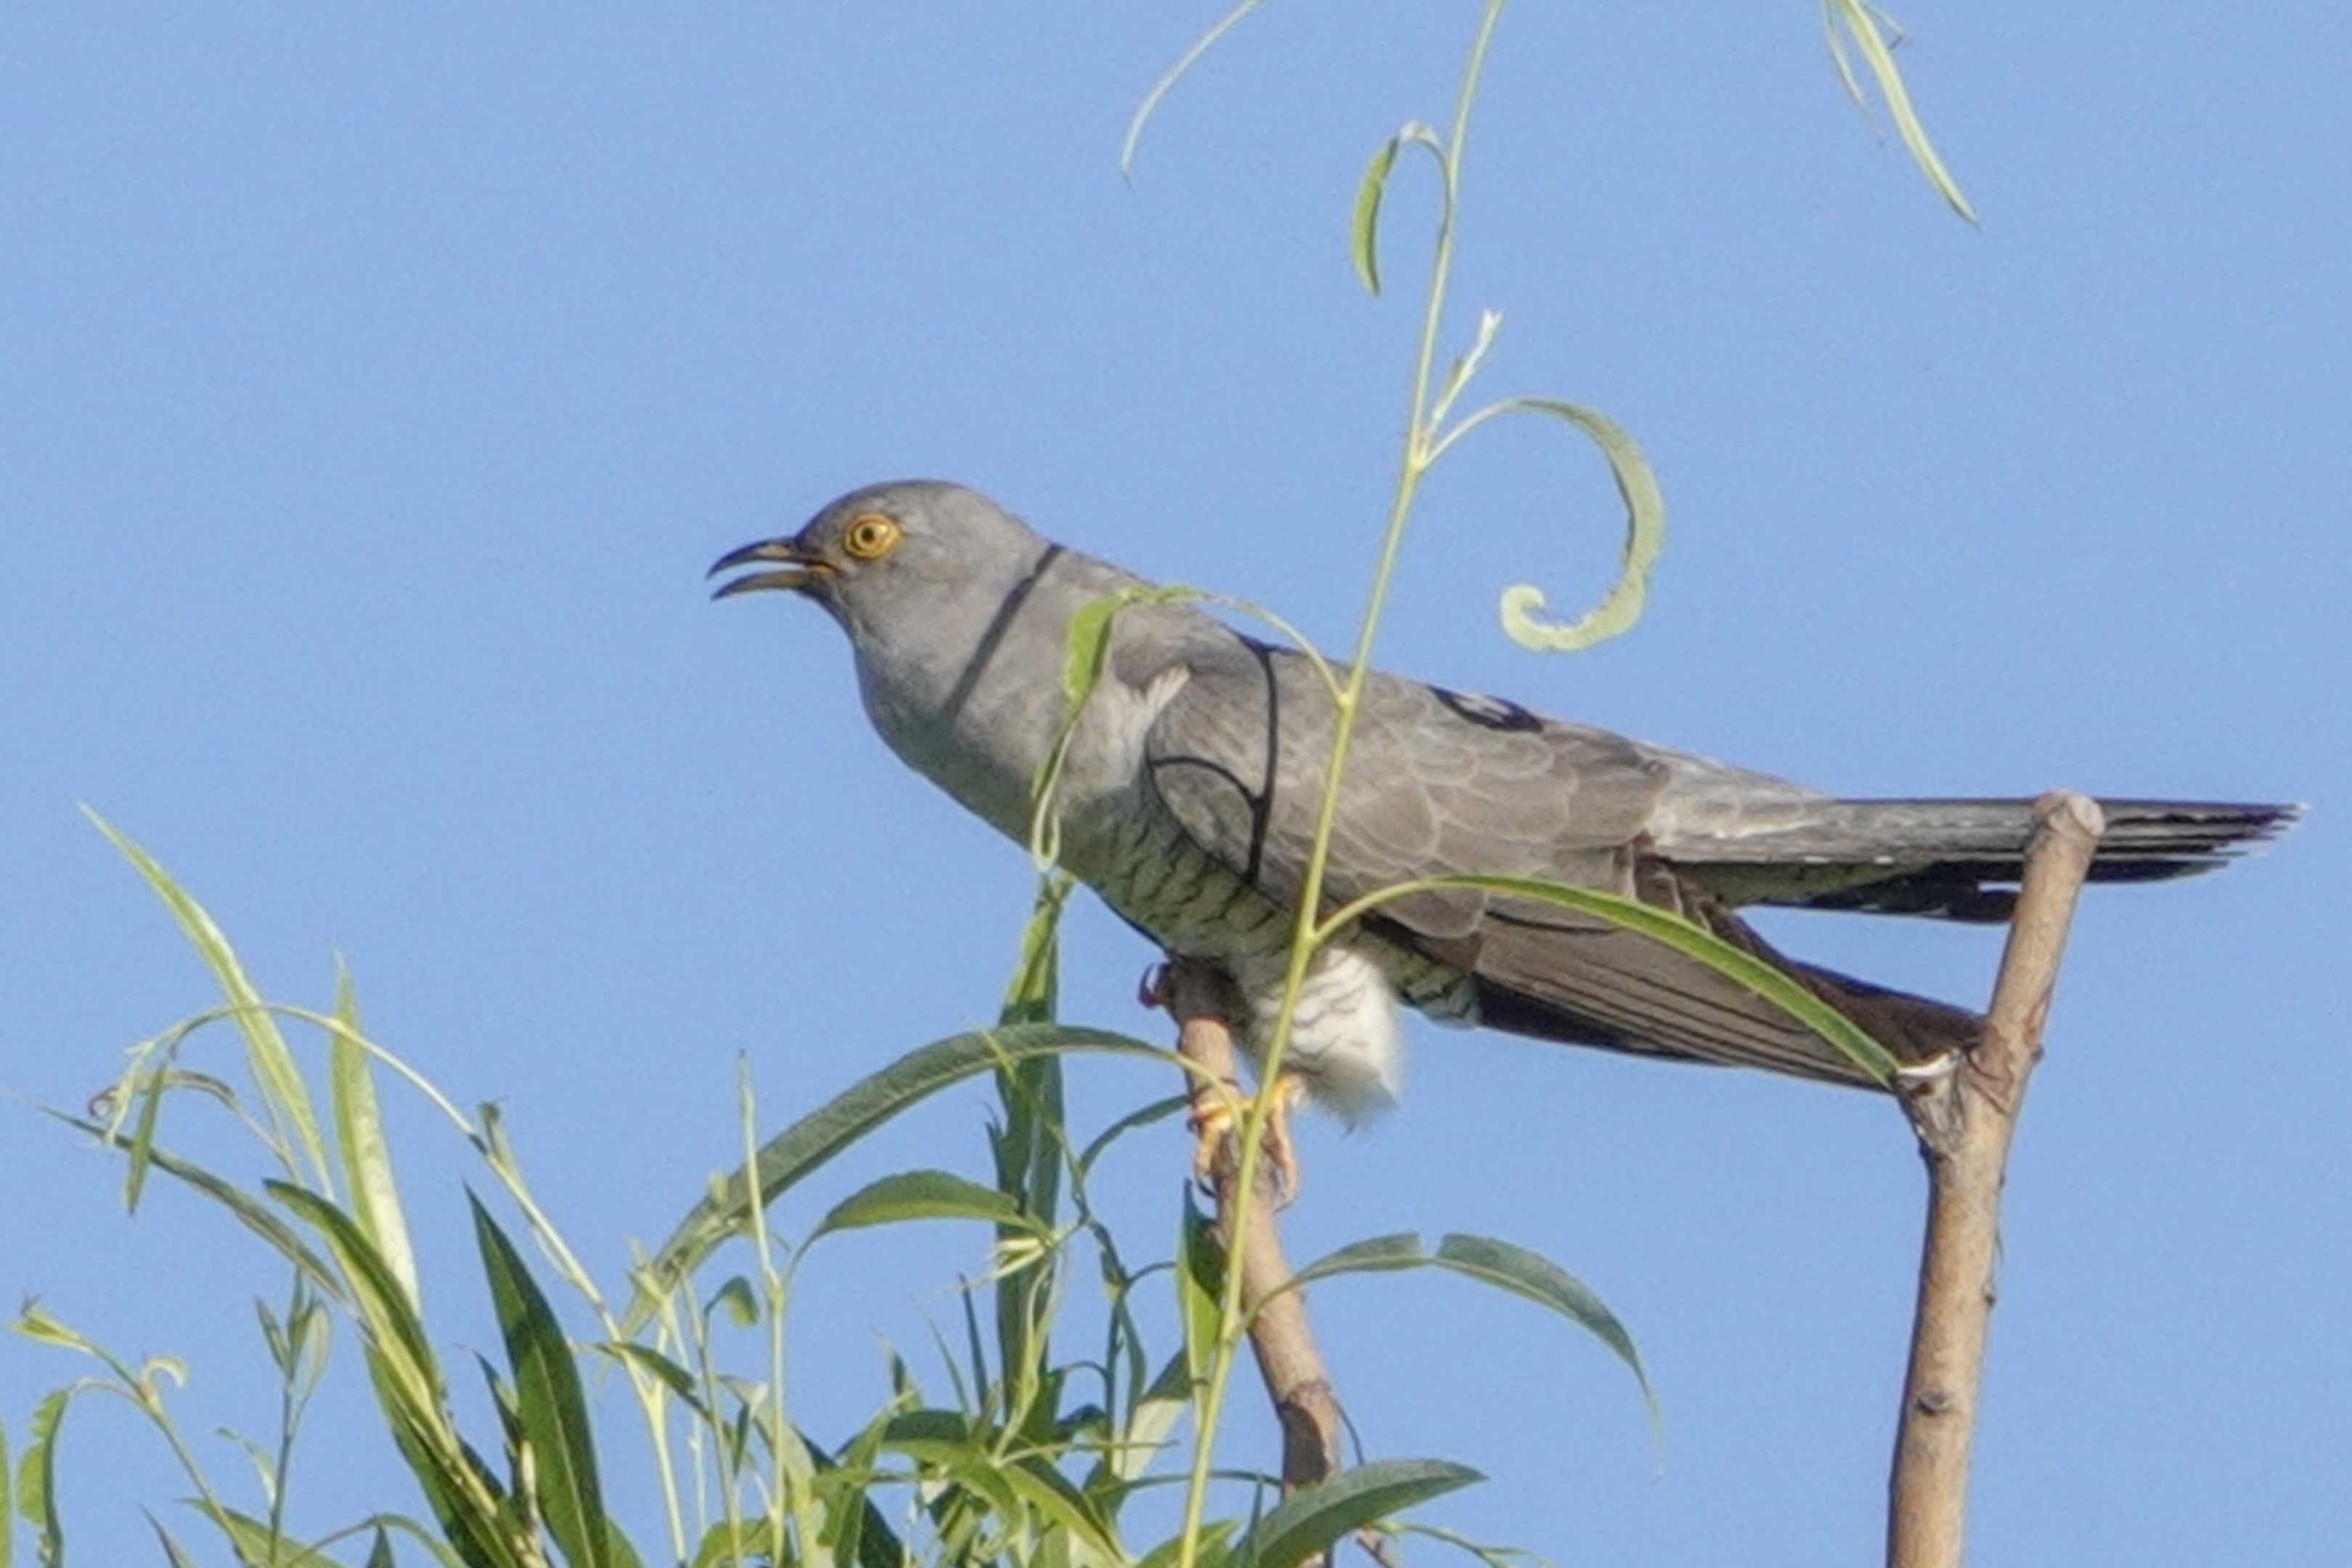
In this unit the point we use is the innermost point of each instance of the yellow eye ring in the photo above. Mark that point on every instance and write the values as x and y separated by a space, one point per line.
870 536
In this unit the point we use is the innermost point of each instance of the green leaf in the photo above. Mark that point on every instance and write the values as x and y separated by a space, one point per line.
732 1543
385 1311
284 1098
1049 1494
37 1479
409 1391
359 1138
1364 223
253 1542
624 1553
1172 76
1199 1291
1376 1255
855 1529
1086 653
1645 530
980 1475
663 1370
1086 657
1214 1548
1027 1148
737 1299
975 1354
905 1196
1035 991
37 1325
254 1217
1540 1279
1465 365
549 1403
931 1434
1159 1110
463 1496
813 1141
1314 1519
159 1080
1863 21
1500 1264
384 1524
173 1557
1152 1419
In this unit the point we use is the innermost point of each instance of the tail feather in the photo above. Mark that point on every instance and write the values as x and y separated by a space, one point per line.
1555 975
1960 859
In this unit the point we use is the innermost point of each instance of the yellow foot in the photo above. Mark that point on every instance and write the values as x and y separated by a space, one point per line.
1219 1107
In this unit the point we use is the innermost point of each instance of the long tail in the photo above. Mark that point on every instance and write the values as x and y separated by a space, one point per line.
1544 973
1960 858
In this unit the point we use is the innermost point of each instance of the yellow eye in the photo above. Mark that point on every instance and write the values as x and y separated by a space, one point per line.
870 536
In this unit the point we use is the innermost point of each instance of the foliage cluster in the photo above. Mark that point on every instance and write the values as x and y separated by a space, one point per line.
1031 1460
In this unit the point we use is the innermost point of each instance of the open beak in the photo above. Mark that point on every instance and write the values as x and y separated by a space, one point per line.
797 569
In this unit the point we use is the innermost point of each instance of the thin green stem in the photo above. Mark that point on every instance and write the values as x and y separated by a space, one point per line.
293 1398
1306 938
791 1500
727 1454
673 1337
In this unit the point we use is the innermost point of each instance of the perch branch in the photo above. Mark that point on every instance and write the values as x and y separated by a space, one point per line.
1965 1116
1201 1001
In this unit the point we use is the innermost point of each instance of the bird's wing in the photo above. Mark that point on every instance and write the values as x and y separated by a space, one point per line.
1441 783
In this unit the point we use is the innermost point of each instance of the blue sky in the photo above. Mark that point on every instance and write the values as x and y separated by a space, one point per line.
376 382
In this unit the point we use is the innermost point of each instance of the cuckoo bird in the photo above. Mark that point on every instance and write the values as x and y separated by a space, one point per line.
1189 790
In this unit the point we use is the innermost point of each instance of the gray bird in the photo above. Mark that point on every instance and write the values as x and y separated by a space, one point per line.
1195 775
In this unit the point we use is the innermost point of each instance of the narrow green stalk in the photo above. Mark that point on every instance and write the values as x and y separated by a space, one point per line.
296 1385
788 1501
726 1456
1306 938
653 1397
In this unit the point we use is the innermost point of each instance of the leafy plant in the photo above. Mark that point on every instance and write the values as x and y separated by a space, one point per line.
1033 1459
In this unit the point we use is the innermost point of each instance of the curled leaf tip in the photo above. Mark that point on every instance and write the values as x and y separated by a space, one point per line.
1522 604
1523 622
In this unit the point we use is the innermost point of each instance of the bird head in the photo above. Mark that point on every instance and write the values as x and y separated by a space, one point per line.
882 553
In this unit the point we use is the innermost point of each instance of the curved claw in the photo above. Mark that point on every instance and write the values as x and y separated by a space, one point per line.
1218 1109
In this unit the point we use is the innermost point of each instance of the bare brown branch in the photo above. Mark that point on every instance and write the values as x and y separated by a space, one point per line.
1965 1118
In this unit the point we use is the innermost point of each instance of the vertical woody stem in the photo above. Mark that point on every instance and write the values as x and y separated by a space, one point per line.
1964 1118
1296 1382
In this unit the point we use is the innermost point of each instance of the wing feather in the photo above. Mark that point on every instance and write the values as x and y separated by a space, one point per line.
1440 784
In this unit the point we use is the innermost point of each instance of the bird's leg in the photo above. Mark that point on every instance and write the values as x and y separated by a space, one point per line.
1217 1109
1287 1092
1218 1104
1214 1091
1202 1000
